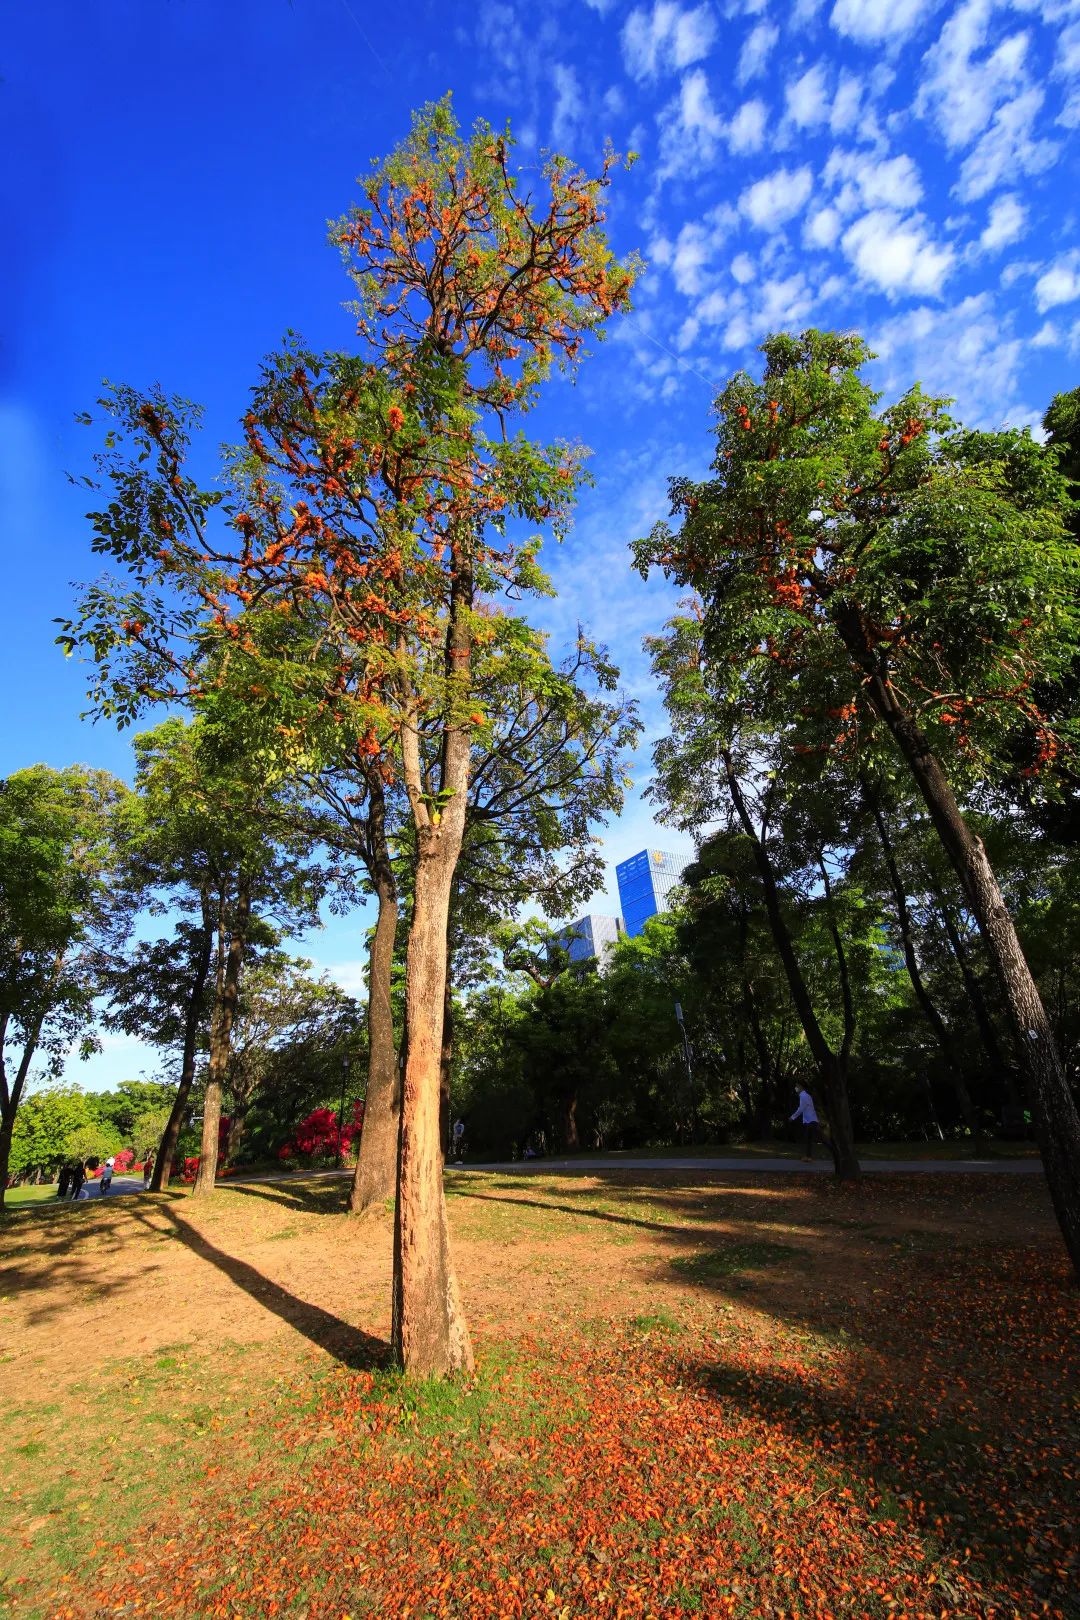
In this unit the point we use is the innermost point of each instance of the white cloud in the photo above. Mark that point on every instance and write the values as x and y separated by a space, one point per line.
1060 284
1008 217
692 252
1047 337
848 104
746 132
807 99
968 353
666 38
961 89
783 302
690 127
882 182
1067 57
1008 149
348 976
777 197
896 254
742 268
568 105
875 22
695 249
756 50
822 228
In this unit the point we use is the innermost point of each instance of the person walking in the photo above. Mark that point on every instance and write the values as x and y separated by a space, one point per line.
808 1114
63 1181
106 1176
78 1176
147 1172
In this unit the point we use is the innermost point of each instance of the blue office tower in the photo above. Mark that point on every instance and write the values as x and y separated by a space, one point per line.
645 881
590 936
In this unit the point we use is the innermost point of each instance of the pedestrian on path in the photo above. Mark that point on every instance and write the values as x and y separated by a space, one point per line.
147 1172
808 1114
64 1181
106 1176
78 1176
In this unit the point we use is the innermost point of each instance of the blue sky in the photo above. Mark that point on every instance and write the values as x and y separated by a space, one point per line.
906 167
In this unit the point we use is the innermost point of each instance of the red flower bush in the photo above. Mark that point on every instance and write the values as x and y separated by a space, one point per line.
316 1137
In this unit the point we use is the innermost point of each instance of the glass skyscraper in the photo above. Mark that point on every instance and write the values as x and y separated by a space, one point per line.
645 881
590 936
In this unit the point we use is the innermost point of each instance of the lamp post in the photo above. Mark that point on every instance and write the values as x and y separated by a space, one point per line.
341 1108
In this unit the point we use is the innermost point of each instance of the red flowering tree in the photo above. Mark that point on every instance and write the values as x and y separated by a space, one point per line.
382 493
380 506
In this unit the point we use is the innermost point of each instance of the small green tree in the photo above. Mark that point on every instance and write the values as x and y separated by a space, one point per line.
49 1129
58 913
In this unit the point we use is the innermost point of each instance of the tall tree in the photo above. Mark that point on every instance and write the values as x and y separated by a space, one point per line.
908 584
381 490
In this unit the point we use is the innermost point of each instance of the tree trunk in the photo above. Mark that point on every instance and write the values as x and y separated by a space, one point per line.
166 1153
446 1056
7 1125
949 1054
571 1139
430 1335
1000 1067
831 1067
235 1134
1057 1119
375 1177
221 1041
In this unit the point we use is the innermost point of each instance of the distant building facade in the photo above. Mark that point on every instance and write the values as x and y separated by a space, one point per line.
590 936
645 881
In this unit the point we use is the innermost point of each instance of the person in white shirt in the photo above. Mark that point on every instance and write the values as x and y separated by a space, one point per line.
808 1114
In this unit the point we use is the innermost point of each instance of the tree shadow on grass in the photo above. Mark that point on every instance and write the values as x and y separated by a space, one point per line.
349 1345
950 1404
324 1197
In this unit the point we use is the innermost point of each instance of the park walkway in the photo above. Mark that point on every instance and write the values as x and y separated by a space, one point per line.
704 1165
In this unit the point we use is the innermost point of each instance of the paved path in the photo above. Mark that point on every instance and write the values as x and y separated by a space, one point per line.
613 1161
770 1166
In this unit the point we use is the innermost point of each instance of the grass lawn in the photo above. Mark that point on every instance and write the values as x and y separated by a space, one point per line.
762 1396
29 1195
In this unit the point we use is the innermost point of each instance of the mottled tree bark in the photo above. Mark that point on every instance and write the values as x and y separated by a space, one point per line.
375 1178
221 1041
430 1336
429 1333
446 1057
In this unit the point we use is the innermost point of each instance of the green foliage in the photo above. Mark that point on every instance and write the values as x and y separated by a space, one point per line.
50 1127
835 536
59 912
